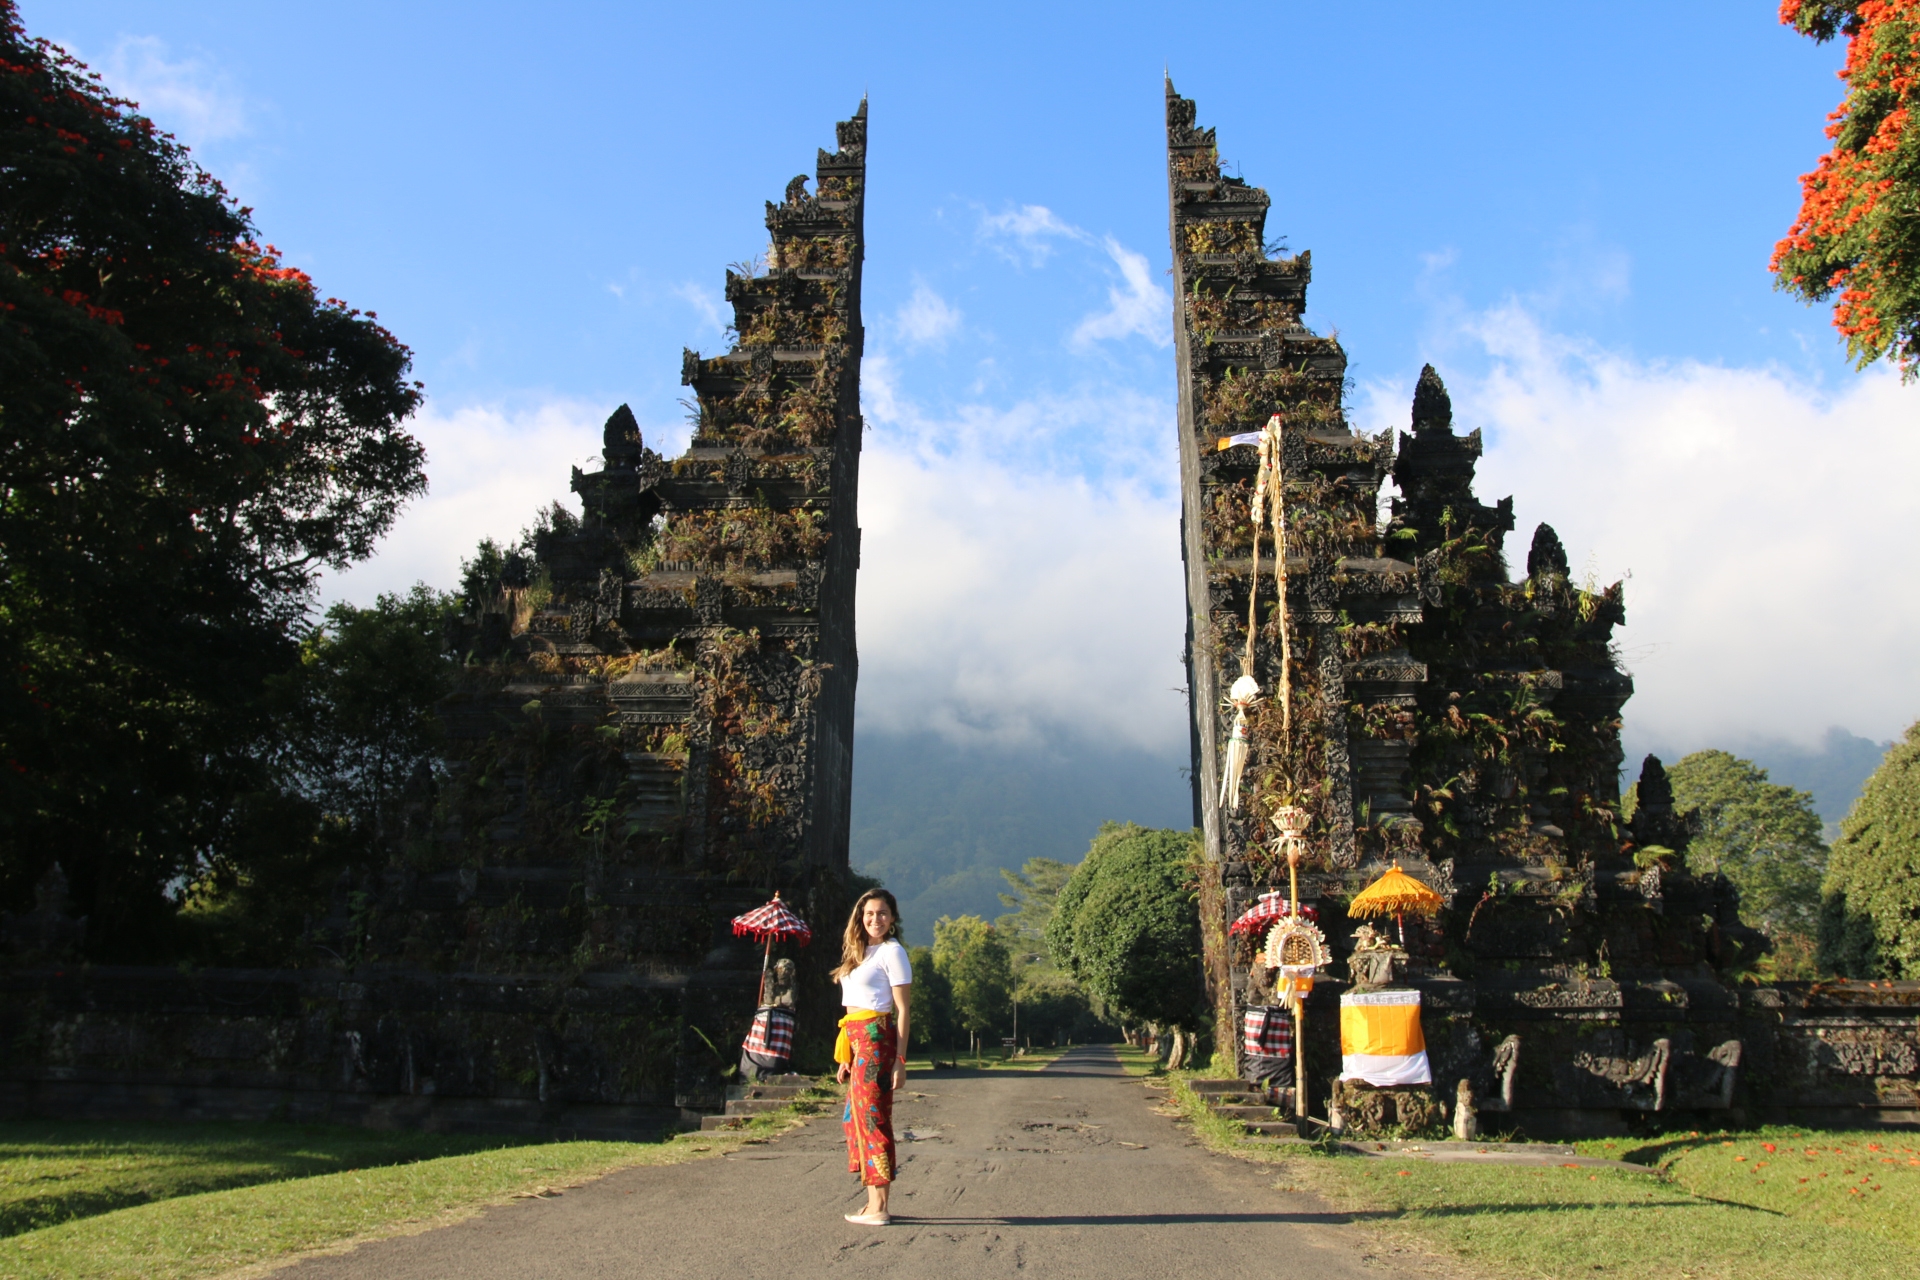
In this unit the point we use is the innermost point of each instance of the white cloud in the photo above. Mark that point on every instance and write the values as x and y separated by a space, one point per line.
1001 605
1139 305
927 319
711 307
1021 571
490 469
1765 522
1020 575
186 96
1033 227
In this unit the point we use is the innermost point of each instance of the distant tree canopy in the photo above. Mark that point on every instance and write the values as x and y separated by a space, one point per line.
1857 237
1125 925
1053 1007
932 1022
1762 836
1036 889
974 962
191 434
1870 919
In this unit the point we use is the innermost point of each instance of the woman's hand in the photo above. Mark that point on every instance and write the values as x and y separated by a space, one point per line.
903 1033
844 1074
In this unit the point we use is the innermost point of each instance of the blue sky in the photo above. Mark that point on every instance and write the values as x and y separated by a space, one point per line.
1568 208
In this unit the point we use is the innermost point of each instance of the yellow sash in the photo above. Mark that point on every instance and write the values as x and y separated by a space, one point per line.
843 1047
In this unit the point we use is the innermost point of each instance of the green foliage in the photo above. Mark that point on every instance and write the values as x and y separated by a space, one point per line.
1126 926
192 435
353 749
1036 887
365 692
1762 836
974 961
1870 916
932 1022
1856 240
1822 19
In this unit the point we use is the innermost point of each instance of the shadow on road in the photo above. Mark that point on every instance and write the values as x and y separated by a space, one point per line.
1124 1220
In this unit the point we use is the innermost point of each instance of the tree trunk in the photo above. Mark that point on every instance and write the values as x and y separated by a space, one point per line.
1177 1055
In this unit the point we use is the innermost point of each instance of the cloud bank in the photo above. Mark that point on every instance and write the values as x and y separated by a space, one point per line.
489 469
1021 580
1006 598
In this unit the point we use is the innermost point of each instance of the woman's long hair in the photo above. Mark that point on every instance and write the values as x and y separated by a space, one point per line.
853 944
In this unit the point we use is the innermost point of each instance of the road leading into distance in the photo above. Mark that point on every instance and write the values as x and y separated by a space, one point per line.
1066 1172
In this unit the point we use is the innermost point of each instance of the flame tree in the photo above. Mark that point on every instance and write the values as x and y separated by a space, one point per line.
189 434
1857 239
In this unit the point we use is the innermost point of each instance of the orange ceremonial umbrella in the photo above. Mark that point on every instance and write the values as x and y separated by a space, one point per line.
1394 894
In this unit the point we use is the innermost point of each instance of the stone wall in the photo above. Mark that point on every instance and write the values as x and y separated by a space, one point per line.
592 1057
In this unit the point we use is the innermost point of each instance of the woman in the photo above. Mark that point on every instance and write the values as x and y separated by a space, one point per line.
875 983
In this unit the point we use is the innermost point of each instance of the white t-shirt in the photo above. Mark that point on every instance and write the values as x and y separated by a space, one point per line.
870 986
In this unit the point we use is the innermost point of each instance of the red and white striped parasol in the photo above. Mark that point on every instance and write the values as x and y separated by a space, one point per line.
772 921
1271 907
764 924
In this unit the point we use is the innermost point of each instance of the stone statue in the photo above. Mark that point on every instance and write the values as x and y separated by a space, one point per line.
1375 962
1466 1117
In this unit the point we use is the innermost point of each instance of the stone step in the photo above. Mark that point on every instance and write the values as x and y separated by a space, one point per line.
721 1122
1274 1128
1252 1098
755 1106
1222 1086
774 1090
1244 1112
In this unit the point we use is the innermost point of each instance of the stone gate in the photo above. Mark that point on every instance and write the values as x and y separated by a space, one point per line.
1464 723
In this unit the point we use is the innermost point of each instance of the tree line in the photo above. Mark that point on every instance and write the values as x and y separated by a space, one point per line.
1851 910
1087 951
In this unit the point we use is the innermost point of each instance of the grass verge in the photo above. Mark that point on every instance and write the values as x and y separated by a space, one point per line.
1695 1213
211 1232
1031 1060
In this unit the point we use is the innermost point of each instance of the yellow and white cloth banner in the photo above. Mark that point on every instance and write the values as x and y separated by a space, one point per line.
1380 1038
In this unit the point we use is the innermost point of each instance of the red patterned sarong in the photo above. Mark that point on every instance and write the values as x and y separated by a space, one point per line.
868 1118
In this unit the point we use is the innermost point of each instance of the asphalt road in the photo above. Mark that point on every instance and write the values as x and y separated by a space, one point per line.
1063 1172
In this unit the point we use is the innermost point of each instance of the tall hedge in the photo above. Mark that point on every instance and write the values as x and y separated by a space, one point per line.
1126 926
1870 909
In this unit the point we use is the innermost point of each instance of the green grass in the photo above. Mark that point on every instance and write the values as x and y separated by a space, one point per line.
51 1172
199 1200
995 1060
1854 1181
1700 1211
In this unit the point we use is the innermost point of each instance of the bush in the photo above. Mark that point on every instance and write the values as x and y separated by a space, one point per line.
1870 908
1127 929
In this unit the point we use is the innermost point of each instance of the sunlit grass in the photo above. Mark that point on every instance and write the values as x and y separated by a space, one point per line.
995 1059
51 1172
1700 1211
1857 1181
137 1200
